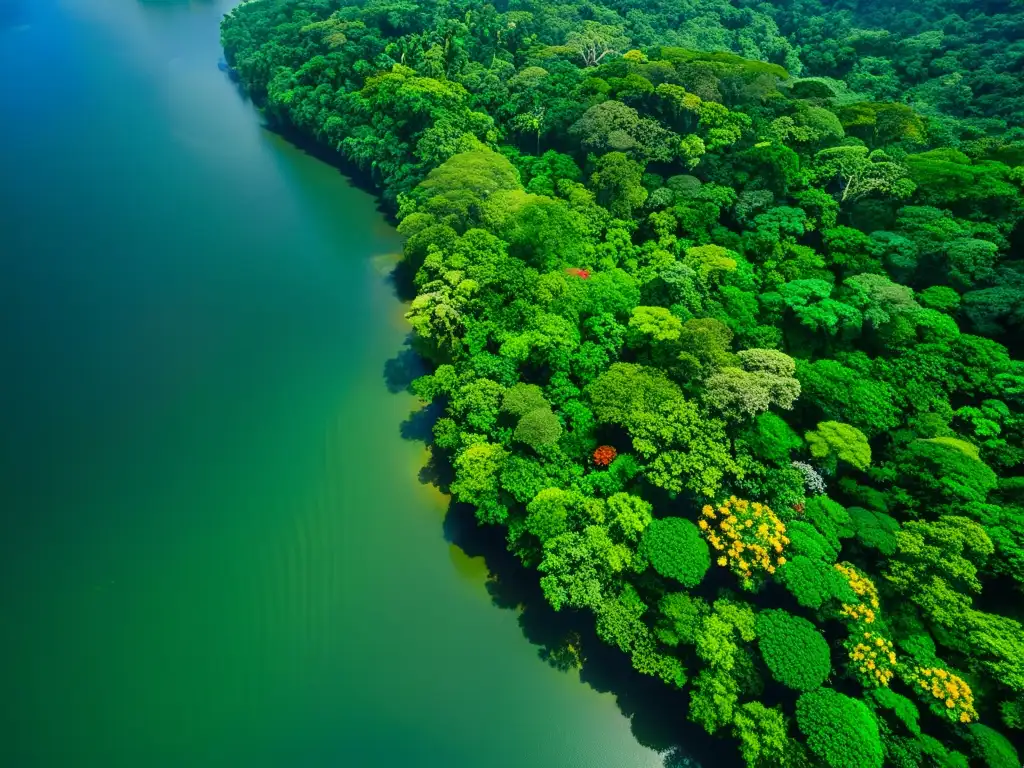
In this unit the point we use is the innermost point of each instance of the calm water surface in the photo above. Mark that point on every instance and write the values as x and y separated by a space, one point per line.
215 549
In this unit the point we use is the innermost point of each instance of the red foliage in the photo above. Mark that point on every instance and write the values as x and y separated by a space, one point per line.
604 455
582 274
798 508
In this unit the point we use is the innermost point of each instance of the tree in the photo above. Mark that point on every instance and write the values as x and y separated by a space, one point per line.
763 735
936 565
847 395
594 41
653 325
551 513
841 731
834 440
617 182
456 190
533 122
938 473
796 654
628 517
765 379
522 398
813 582
811 302
619 623
971 261
607 127
538 428
991 747
676 550
750 537
713 699
861 172
478 467
478 403
874 529
578 567
830 519
626 392
680 616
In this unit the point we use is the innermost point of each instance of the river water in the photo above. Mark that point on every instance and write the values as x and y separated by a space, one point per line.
215 548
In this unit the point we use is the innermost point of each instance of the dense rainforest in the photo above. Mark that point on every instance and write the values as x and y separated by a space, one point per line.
724 304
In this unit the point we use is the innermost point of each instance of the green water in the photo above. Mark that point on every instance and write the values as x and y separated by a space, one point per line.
215 549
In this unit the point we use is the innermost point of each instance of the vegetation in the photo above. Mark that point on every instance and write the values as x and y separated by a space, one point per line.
724 304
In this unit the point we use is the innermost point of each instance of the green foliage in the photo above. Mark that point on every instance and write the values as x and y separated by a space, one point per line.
679 618
676 550
521 399
771 439
765 379
841 731
992 748
721 256
902 708
578 567
833 440
830 519
814 582
936 565
875 530
763 734
795 652
455 190
538 428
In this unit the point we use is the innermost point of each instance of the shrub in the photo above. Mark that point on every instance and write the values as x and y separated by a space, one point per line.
841 731
796 654
676 550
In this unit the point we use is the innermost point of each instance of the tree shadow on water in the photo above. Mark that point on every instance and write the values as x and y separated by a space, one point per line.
403 368
358 177
402 279
419 424
567 640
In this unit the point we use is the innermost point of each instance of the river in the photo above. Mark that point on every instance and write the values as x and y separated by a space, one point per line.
216 550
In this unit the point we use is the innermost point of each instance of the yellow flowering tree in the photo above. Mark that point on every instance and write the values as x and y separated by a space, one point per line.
866 607
872 659
948 695
747 536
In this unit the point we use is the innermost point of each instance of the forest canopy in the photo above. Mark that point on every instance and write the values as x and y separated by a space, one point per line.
724 308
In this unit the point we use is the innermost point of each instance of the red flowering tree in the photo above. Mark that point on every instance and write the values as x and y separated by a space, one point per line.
583 274
604 455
